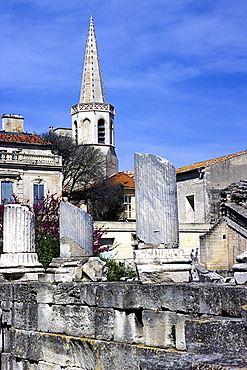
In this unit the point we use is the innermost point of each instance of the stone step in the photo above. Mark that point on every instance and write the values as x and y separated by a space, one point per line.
225 336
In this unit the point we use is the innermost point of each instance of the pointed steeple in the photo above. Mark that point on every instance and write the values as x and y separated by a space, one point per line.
92 117
92 88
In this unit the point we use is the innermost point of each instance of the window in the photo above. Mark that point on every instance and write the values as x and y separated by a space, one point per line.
6 192
14 155
76 131
101 131
127 205
3 154
111 133
38 194
190 208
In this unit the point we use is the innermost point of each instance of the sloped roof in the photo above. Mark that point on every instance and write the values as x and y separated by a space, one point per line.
123 179
22 138
208 163
130 173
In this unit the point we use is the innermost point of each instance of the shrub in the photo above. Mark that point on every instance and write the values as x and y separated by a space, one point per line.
47 228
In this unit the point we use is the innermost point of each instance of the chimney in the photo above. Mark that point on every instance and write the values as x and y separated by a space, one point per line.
12 123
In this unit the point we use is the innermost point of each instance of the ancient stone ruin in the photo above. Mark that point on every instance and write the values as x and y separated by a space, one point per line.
19 259
158 258
76 232
240 269
76 261
69 320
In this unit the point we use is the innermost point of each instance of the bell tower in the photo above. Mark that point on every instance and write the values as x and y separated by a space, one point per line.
92 117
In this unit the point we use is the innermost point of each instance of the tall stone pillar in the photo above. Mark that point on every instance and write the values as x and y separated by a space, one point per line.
158 256
19 257
156 202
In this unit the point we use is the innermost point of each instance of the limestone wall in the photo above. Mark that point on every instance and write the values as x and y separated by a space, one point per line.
220 246
121 326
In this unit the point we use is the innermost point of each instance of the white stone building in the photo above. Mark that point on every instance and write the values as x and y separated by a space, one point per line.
28 168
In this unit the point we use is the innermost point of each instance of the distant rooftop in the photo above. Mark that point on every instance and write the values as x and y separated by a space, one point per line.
123 179
22 138
208 163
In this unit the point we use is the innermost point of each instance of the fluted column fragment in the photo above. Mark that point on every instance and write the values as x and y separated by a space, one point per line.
19 239
76 232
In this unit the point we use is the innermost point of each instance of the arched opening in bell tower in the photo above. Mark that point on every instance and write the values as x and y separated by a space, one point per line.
75 131
101 131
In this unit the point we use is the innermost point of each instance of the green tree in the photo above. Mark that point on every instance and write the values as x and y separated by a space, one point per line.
105 201
83 165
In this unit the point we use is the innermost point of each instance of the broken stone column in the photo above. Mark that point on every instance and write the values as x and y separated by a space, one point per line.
156 202
76 248
158 257
19 259
76 232
240 269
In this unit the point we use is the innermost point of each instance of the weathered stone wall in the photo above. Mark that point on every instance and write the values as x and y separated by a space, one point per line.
121 326
220 246
191 188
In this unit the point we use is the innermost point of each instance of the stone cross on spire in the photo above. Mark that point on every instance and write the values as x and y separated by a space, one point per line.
92 88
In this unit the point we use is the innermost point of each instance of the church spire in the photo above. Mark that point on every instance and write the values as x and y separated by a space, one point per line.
92 88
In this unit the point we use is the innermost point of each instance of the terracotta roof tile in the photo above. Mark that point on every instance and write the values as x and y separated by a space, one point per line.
22 138
208 163
123 179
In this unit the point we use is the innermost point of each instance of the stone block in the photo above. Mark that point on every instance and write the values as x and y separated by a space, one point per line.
244 314
118 295
6 361
45 293
216 335
42 365
82 354
210 300
232 298
25 292
160 274
6 291
44 317
117 356
7 312
25 316
179 297
52 318
55 349
127 327
68 274
88 294
7 335
67 293
164 329
80 321
104 323
240 277
95 269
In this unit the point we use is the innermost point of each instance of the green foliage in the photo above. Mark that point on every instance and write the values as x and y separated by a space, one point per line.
46 229
117 270
47 247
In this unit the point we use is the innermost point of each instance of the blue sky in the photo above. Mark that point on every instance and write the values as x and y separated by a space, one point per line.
175 70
